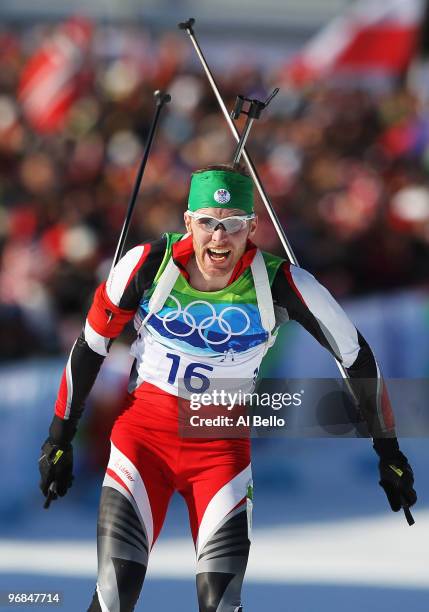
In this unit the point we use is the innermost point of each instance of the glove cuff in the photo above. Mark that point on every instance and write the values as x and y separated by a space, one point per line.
61 432
49 446
387 448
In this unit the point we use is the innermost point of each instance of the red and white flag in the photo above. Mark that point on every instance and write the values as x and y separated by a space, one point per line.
371 35
49 82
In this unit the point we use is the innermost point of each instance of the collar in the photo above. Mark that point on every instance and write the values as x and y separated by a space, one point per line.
183 250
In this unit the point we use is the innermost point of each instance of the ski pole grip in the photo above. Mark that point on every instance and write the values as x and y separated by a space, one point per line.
407 512
52 494
187 25
161 97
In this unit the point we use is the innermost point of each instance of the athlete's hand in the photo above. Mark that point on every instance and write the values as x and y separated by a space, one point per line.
56 470
397 479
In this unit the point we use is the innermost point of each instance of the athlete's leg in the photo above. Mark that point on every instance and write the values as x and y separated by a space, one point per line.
219 502
222 562
135 495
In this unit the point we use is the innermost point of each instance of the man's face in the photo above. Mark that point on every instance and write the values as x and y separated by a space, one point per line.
218 253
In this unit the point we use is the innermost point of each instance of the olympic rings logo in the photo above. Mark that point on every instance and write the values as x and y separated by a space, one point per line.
203 327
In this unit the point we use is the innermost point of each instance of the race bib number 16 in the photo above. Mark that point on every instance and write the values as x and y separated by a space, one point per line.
194 376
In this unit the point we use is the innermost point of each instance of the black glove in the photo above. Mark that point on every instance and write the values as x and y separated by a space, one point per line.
396 477
56 470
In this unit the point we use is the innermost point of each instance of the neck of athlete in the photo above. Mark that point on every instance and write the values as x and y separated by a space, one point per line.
200 280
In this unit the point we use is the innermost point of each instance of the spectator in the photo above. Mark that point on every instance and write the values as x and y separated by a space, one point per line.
346 171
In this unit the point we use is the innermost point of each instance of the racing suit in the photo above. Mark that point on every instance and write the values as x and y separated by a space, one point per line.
193 336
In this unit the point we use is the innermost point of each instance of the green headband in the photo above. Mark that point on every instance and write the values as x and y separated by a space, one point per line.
221 189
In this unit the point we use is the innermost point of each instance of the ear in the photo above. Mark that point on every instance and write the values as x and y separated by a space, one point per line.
252 227
187 219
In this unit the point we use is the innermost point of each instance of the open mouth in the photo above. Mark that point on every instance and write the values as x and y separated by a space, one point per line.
218 255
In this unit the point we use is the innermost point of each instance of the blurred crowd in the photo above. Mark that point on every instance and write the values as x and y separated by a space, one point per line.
346 170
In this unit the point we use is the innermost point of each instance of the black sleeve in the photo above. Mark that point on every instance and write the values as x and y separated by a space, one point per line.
300 297
84 365
114 304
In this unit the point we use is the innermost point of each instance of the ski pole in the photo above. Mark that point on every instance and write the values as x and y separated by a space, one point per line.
187 26
161 99
407 511
253 112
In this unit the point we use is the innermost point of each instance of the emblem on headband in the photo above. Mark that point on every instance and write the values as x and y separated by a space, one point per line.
222 196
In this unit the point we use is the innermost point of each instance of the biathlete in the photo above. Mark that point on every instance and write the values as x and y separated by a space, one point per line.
206 307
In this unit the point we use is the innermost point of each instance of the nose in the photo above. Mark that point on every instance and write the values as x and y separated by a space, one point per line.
219 233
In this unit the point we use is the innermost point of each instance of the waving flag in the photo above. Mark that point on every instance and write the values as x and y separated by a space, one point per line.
371 35
49 83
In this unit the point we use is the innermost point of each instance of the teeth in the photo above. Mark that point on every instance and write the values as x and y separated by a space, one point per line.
219 251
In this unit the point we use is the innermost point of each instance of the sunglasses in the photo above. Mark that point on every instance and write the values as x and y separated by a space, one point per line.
231 225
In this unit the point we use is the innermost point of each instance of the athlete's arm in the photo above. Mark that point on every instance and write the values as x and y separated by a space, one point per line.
310 304
114 305
306 301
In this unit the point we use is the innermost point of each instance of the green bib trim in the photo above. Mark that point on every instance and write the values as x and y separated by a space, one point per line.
272 262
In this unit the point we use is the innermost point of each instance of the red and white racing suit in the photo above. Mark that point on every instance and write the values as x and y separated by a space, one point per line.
149 460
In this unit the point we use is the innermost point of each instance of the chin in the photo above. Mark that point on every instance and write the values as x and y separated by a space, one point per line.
216 271
220 269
